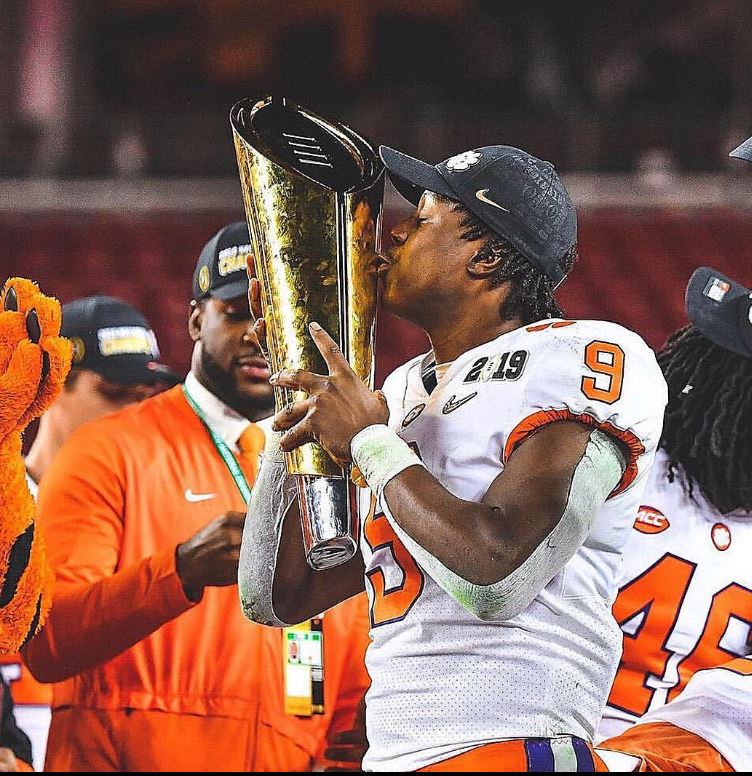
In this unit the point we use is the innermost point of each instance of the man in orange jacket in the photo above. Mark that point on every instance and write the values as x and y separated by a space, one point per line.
155 666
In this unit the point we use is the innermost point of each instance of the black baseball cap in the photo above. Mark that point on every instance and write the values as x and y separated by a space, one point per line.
721 309
743 151
221 269
514 194
113 339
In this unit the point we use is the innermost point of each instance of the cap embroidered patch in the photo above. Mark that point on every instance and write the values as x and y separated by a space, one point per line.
232 259
117 340
716 289
79 349
463 161
204 278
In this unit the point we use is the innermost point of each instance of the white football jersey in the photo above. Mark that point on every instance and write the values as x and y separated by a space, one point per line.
685 599
444 681
716 705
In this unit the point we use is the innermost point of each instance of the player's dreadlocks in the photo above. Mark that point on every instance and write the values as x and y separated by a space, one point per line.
708 418
531 293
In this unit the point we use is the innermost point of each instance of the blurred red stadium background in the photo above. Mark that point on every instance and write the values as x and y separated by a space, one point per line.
634 264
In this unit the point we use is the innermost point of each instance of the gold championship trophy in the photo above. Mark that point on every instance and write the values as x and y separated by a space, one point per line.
313 192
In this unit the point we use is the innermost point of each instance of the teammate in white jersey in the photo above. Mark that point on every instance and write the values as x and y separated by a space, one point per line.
506 468
685 602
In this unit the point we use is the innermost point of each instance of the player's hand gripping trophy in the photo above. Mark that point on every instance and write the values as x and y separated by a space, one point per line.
313 192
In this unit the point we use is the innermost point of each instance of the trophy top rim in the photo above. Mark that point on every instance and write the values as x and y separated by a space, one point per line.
372 168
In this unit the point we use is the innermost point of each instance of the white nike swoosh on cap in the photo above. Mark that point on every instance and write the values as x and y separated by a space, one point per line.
481 195
193 497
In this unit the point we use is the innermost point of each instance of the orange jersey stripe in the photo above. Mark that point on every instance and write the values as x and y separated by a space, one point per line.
542 418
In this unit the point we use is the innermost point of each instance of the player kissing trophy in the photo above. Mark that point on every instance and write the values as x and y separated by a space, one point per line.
313 191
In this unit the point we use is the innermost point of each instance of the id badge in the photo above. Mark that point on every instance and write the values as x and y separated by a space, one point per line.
303 665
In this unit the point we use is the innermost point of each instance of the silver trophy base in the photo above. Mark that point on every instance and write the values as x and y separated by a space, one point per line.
327 520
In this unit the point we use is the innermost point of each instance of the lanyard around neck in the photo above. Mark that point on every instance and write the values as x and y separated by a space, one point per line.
224 451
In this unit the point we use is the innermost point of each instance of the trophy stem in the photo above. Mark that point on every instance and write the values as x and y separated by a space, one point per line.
327 520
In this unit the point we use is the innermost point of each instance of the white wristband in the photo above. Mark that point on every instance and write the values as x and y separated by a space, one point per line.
381 455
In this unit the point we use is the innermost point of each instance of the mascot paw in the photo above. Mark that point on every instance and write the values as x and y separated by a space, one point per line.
34 359
34 362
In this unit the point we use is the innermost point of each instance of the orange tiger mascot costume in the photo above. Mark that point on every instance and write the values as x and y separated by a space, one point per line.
34 362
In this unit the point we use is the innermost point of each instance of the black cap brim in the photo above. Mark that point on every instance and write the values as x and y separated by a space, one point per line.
232 290
411 177
720 320
134 370
743 151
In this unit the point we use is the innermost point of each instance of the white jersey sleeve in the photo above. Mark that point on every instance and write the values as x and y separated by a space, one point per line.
597 373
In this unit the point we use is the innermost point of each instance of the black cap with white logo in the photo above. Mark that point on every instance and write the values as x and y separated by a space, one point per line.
743 151
514 194
721 309
221 268
113 339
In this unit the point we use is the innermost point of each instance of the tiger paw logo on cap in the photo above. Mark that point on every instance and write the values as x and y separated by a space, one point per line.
204 278
463 161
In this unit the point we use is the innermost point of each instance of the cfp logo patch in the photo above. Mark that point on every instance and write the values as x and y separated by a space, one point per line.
463 161
79 349
204 278
502 366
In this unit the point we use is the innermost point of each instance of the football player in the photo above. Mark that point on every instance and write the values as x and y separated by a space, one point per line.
685 601
505 468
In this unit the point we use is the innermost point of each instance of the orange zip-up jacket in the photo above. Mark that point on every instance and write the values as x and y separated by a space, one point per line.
146 680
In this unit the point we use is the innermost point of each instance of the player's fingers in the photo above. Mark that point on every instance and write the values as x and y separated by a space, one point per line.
259 331
297 436
299 380
254 293
293 413
330 350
